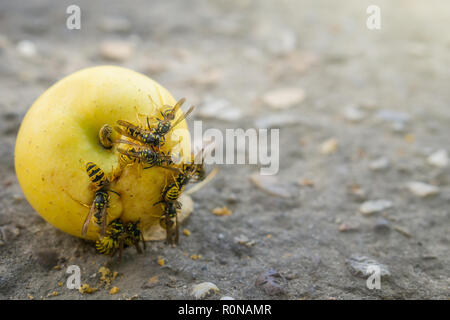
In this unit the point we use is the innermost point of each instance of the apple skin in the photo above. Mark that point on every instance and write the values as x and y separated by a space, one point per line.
59 134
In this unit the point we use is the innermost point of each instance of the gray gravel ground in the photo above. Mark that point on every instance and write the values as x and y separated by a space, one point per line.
379 94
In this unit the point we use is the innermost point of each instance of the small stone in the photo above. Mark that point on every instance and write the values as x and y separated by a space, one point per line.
353 114
421 189
186 232
222 211
397 119
9 232
114 290
115 24
116 50
402 231
357 192
362 266
26 48
370 207
220 109
348 227
242 239
382 226
227 298
271 186
202 290
305 182
284 98
270 282
393 116
379 164
329 146
438 159
18 197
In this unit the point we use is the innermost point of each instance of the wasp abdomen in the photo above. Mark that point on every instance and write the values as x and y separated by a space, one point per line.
96 175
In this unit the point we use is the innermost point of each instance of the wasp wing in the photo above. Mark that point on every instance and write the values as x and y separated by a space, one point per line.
88 220
103 225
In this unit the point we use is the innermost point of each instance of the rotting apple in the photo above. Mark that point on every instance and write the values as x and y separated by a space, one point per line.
59 134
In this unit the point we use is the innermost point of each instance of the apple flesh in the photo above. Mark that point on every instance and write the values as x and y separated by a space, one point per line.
59 134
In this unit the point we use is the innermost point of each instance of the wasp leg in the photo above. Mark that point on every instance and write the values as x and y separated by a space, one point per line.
143 241
176 230
138 248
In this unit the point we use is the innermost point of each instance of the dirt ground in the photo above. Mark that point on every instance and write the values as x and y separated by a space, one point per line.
381 96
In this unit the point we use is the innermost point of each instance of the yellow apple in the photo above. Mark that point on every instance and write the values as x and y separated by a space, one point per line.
59 134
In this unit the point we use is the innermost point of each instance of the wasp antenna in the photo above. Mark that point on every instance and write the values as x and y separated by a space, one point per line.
115 192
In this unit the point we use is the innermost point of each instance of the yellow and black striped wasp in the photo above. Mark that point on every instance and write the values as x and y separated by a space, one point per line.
169 221
154 137
140 154
165 123
120 236
170 194
100 185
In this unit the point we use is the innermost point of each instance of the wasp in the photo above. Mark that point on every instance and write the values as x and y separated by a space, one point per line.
170 203
149 136
144 136
141 154
167 221
187 173
172 191
100 185
119 236
165 124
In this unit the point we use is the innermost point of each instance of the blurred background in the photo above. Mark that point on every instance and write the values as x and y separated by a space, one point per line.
364 121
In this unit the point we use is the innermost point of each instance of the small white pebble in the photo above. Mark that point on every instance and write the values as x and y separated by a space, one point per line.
353 114
284 98
422 189
370 207
116 50
203 289
26 48
438 159
226 298
379 164
329 146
